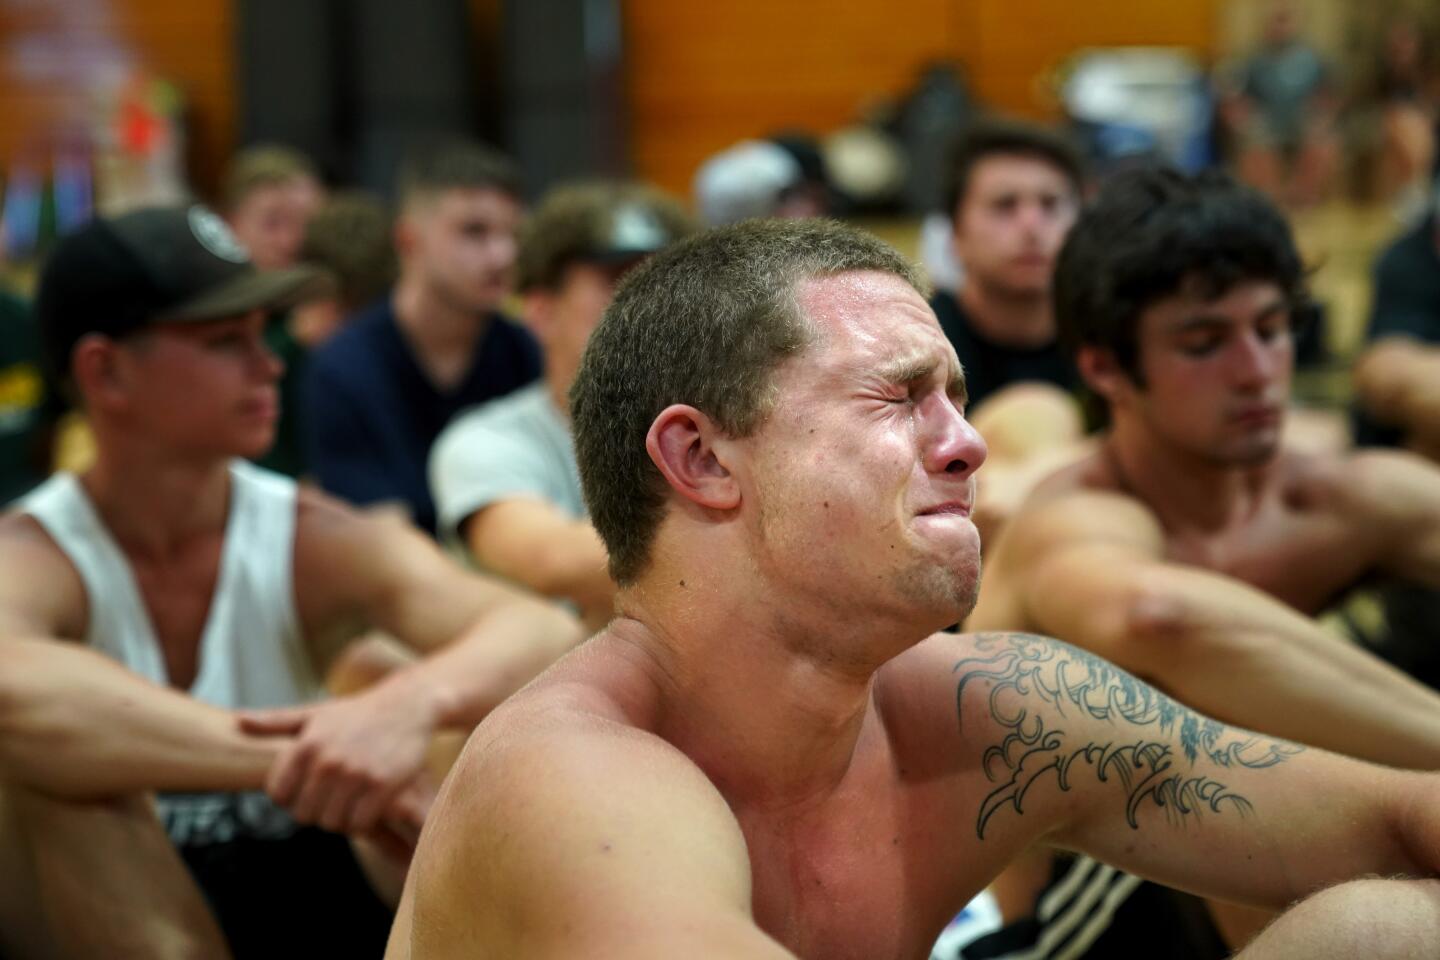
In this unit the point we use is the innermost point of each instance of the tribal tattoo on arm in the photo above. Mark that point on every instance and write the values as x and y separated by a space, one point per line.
1021 669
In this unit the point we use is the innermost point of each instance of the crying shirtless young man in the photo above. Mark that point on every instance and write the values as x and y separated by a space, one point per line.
771 752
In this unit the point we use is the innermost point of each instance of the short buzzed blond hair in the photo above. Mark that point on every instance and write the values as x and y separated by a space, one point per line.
705 322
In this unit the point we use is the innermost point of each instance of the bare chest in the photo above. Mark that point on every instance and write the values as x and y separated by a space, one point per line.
1306 558
877 878
177 596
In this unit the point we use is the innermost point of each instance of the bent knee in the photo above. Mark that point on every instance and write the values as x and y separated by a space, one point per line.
1381 918
1378 896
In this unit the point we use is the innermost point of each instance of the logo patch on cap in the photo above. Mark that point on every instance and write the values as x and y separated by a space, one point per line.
635 228
215 236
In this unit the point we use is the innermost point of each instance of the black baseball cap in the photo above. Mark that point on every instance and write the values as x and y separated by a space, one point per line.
117 275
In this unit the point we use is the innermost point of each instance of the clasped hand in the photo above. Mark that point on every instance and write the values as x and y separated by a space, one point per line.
356 764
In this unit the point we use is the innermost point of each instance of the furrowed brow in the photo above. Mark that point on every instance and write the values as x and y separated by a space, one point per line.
913 369
907 369
956 387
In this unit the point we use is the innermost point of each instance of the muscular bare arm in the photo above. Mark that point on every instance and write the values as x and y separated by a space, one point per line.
603 842
480 641
1398 382
1089 568
74 723
1100 762
1398 495
540 548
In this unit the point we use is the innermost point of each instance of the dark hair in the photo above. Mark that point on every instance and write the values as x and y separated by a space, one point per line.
705 322
989 137
1155 232
455 165
349 236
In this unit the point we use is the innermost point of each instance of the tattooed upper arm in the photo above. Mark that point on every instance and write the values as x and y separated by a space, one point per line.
1042 714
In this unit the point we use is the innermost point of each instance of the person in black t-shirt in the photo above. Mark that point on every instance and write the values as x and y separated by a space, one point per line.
379 392
1013 194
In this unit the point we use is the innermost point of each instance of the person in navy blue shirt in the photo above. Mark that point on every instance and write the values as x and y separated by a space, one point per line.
380 391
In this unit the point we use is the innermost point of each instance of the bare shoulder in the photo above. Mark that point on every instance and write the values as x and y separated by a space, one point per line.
561 807
336 552
560 739
1087 473
325 523
343 554
40 589
601 695
1084 513
586 728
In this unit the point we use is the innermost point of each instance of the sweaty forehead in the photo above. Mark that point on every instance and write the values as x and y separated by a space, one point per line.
866 311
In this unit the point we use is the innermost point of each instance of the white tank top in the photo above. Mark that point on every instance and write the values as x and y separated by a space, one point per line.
251 650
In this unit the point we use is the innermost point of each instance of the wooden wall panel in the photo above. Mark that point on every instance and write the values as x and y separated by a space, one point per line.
1018 45
703 75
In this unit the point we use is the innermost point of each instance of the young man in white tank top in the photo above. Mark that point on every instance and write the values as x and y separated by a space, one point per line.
165 619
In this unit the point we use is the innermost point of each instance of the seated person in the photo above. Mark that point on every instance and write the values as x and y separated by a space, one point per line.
1404 86
776 177
1280 107
1013 194
378 393
269 195
165 619
503 475
770 752
1193 548
349 238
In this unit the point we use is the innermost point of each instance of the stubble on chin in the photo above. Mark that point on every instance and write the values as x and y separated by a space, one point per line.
932 586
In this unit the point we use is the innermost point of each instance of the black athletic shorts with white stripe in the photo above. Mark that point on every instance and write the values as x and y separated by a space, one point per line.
1090 911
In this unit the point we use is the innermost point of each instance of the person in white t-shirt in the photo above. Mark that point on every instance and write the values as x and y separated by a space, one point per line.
503 475
172 781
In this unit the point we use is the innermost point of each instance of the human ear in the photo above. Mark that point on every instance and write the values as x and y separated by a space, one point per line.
539 310
95 366
682 443
405 234
1102 372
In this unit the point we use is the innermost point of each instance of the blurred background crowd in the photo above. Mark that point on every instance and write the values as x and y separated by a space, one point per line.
294 121
472 178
